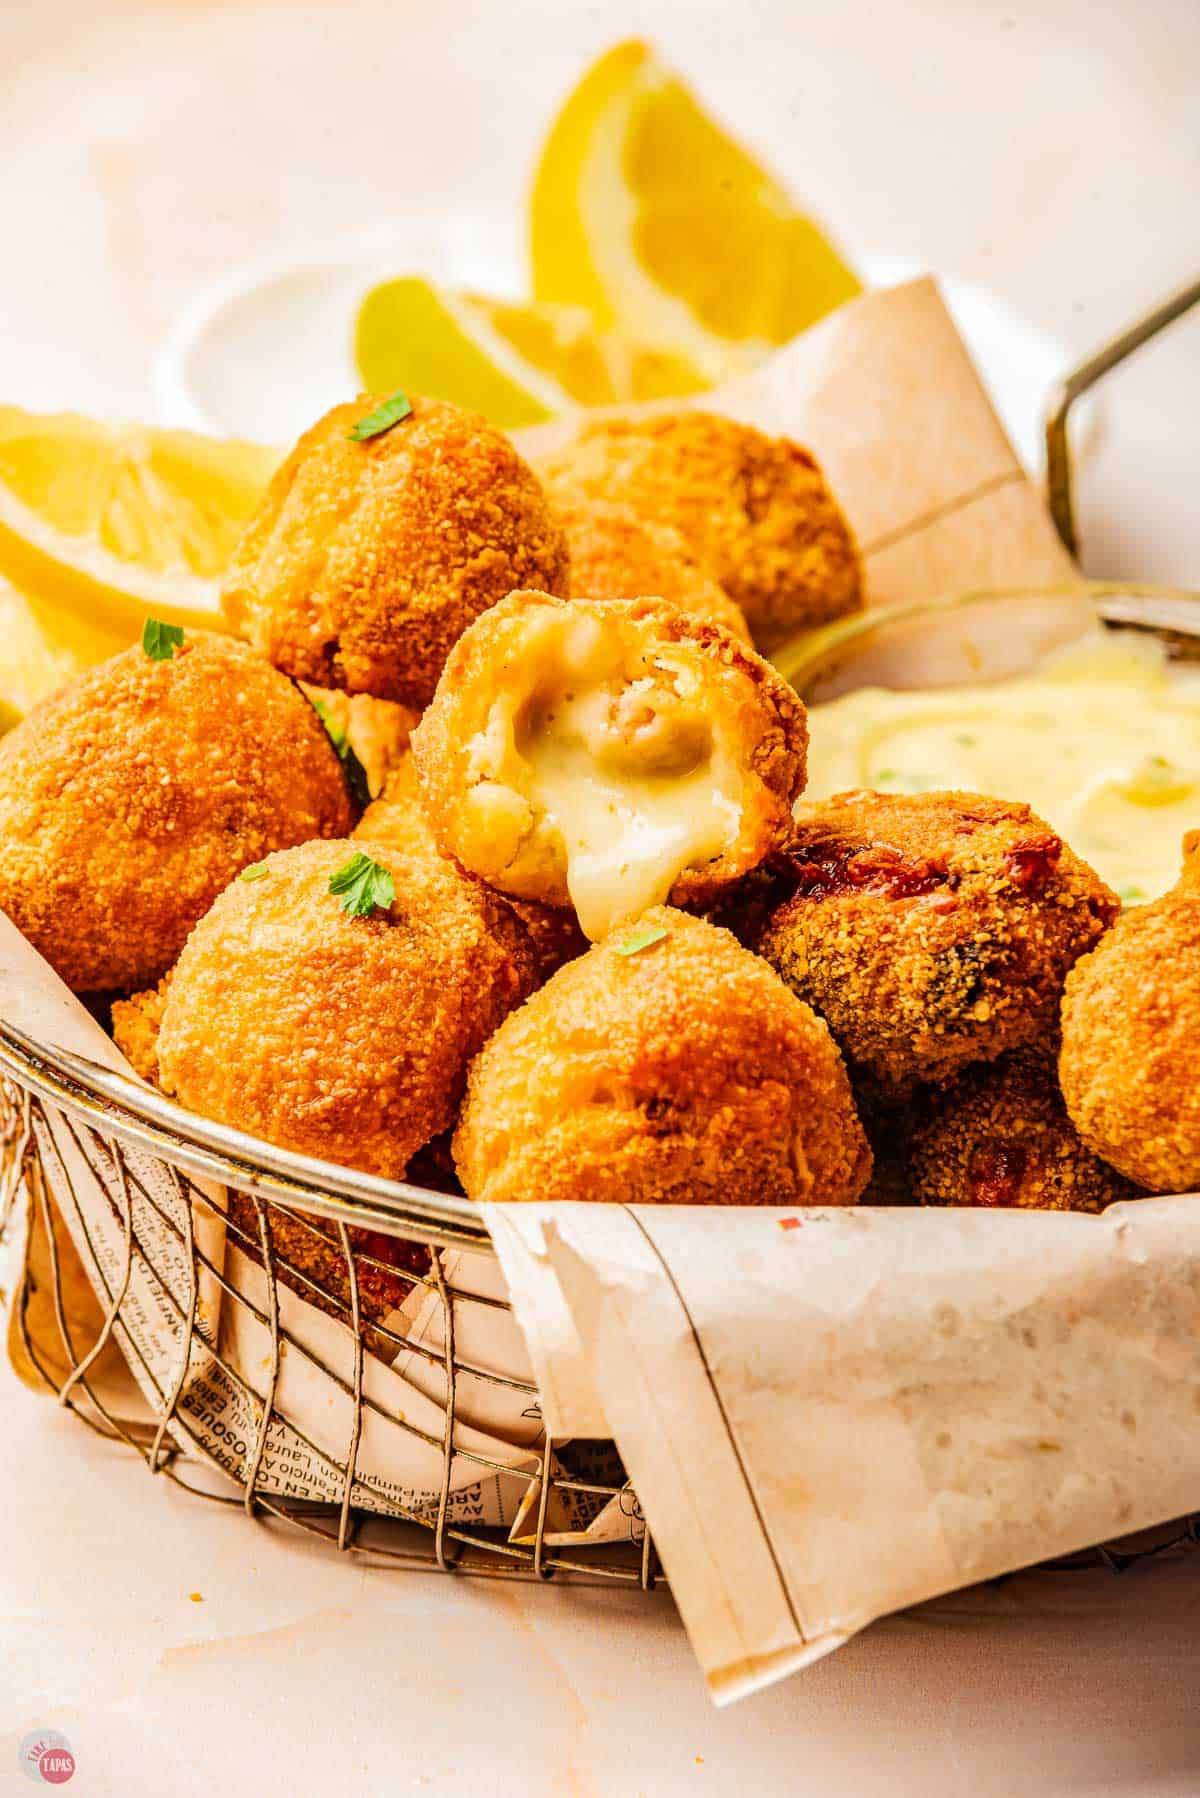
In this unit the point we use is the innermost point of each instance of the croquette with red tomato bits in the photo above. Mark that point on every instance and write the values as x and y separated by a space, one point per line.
932 930
999 1137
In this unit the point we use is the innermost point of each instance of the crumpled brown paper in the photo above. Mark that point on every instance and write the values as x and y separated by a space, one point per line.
884 392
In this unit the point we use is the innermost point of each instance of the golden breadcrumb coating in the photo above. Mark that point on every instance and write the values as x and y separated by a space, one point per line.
396 818
616 554
556 721
133 795
366 560
932 930
375 729
136 1022
342 1037
306 1251
307 1256
1130 1037
999 1135
682 1073
754 511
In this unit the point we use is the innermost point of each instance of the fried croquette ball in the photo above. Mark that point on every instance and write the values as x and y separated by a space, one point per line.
366 560
999 1135
1130 1030
344 1037
130 798
680 1072
608 753
932 930
754 511
615 554
396 818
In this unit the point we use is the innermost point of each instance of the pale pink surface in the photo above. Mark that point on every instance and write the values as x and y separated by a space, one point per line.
1046 151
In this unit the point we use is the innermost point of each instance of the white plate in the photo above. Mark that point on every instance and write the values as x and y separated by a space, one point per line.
264 351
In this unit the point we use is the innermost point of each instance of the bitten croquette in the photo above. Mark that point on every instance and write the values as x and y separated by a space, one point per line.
366 560
666 1066
999 1135
131 797
932 930
607 754
754 511
339 1036
1130 1037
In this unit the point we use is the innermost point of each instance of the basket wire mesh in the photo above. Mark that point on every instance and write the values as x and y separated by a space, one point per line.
31 1093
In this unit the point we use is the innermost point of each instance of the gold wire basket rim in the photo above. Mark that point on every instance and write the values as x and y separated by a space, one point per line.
139 1117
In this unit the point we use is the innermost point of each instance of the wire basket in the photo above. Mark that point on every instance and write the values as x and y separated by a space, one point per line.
277 1208
315 1241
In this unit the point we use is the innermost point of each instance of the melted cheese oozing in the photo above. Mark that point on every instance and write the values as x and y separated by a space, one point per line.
628 835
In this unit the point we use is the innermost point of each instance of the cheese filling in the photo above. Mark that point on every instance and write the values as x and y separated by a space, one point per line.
621 772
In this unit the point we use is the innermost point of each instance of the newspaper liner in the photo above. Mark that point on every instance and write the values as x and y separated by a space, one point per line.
885 393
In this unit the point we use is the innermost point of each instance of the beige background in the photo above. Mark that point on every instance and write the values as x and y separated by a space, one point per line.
1049 151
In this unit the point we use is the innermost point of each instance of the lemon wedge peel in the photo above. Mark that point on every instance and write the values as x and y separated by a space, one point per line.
102 524
647 213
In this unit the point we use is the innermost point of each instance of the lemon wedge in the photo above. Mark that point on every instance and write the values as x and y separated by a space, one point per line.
33 663
517 363
101 525
647 215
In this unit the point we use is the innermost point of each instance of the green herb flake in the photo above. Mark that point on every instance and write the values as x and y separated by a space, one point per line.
1129 895
159 640
356 774
383 418
363 885
965 740
641 939
256 871
337 735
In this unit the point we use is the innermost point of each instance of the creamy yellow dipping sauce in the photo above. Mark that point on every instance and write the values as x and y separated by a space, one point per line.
1103 741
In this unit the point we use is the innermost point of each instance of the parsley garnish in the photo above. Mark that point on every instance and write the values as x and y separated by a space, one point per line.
363 885
159 640
641 939
383 418
356 774
256 871
1129 895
